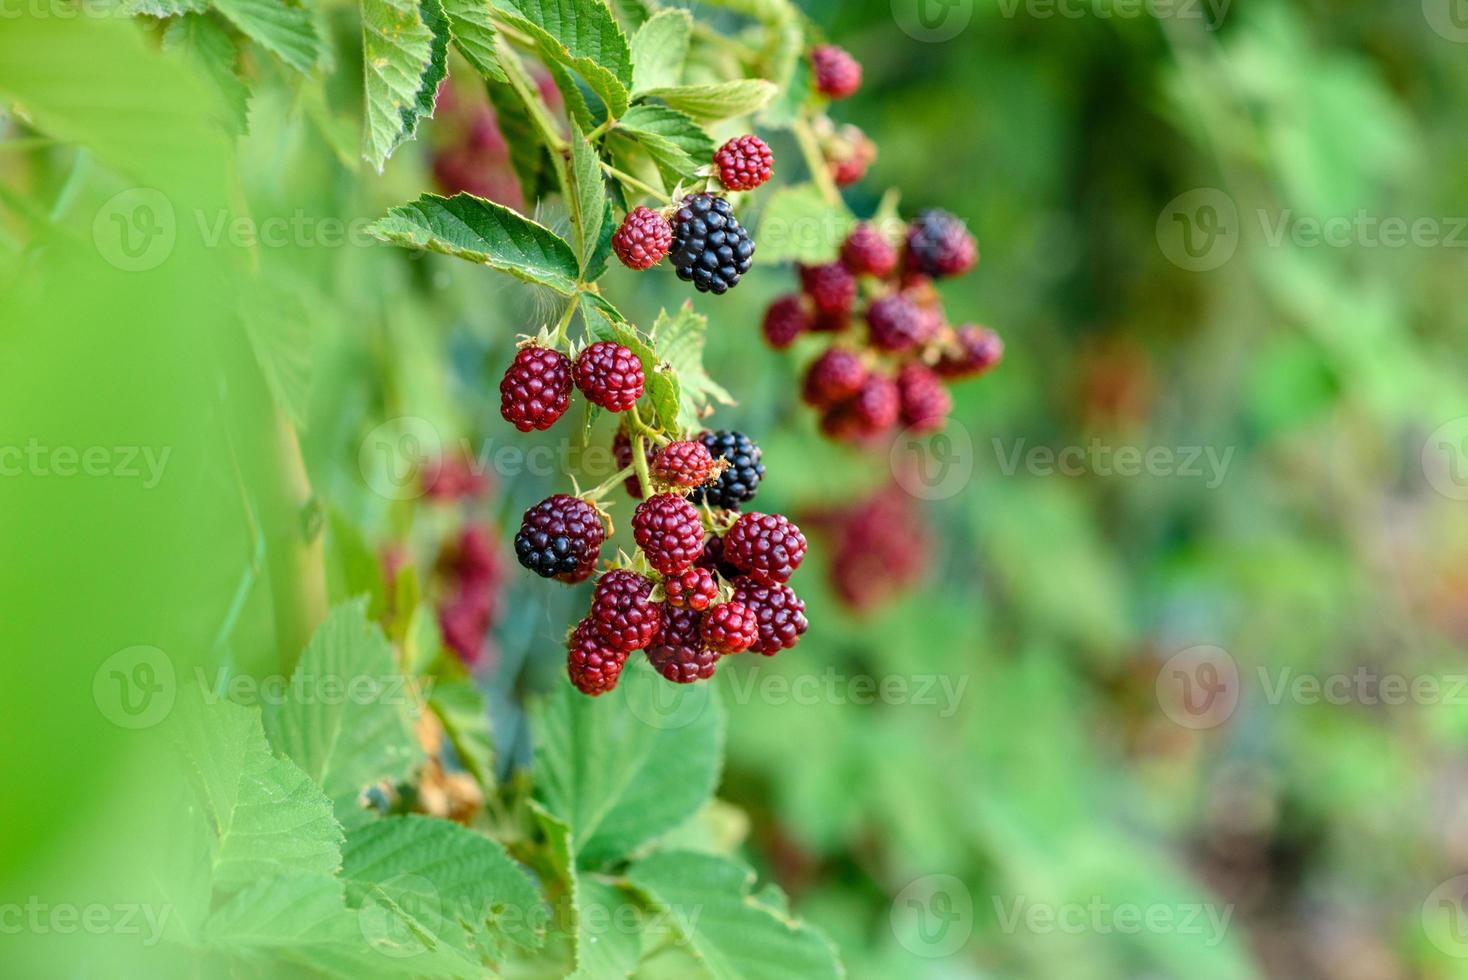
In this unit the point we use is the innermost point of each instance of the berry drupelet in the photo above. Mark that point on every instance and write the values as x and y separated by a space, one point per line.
730 627
623 615
744 163
682 464
594 667
939 245
678 651
769 547
837 73
669 531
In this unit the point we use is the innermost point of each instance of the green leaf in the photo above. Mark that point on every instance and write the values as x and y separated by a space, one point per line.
674 141
662 392
577 108
465 716
626 767
798 224
722 100
680 339
658 50
278 325
583 36
287 31
347 719
482 231
586 197
596 266
283 911
474 35
528 155
164 8
443 884
206 43
605 945
265 815
736 935
401 55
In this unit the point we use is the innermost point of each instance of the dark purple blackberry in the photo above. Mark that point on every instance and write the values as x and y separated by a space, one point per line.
710 248
560 538
737 484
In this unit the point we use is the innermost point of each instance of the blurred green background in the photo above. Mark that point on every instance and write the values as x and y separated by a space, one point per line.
1137 723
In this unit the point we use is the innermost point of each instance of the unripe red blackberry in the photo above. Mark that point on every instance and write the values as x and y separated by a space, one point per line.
710 248
642 239
669 531
609 375
693 588
837 73
769 547
684 464
744 163
830 287
593 666
939 245
924 398
833 377
624 616
895 323
866 253
622 455
560 538
678 651
785 319
876 405
779 612
978 349
536 388
849 155
740 480
730 627
830 322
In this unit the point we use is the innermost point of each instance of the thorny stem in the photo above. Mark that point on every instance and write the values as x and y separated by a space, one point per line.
815 162
634 182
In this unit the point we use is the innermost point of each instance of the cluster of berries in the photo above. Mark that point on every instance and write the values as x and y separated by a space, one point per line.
705 581
536 389
710 248
848 151
894 368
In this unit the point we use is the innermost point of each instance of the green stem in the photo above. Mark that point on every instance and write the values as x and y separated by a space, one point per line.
815 161
639 459
565 322
601 488
635 420
525 88
601 130
634 182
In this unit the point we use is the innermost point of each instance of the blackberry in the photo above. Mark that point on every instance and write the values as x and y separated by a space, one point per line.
593 666
778 611
979 349
560 538
737 484
710 248
609 375
681 464
924 398
744 163
678 651
536 388
876 405
693 588
713 559
939 245
642 239
669 531
830 287
769 547
833 377
624 616
730 627
850 155
866 253
896 323
837 73
785 319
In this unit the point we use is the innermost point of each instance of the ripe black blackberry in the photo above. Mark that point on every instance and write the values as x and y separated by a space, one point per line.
678 651
710 248
737 484
560 538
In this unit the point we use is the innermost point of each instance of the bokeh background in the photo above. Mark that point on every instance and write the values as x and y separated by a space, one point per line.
1168 648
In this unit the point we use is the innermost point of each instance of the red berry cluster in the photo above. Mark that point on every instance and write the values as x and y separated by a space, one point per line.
892 368
536 388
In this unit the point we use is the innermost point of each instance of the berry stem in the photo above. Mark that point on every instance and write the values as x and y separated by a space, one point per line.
635 420
600 130
634 182
565 322
815 162
639 459
600 490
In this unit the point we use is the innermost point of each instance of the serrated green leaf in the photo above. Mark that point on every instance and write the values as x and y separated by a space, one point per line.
205 41
608 944
721 100
658 50
474 35
443 884
798 224
672 139
577 108
583 36
285 30
630 765
601 255
680 340
734 934
464 713
528 155
266 816
586 198
282 911
347 718
164 8
399 52
482 231
661 385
